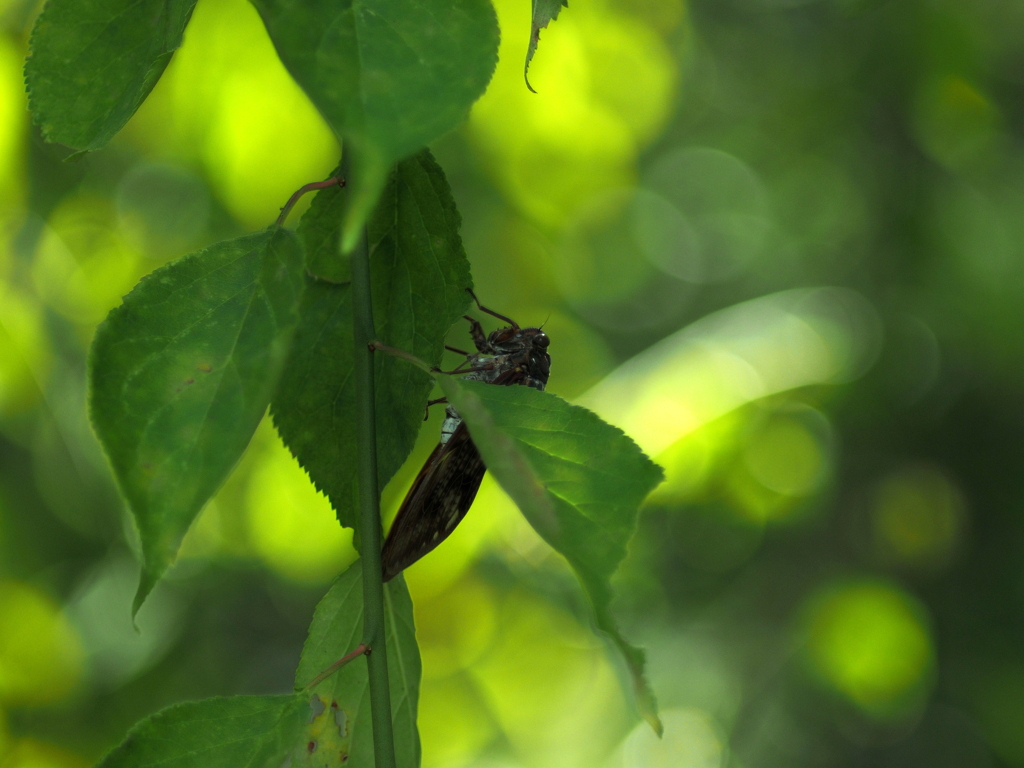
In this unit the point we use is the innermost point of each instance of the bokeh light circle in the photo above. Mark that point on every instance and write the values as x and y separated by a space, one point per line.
917 516
787 456
602 272
870 641
723 204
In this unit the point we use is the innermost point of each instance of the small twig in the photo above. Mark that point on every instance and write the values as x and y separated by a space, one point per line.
303 190
432 370
361 650
410 358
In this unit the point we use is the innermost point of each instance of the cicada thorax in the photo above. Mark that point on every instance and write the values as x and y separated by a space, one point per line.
520 356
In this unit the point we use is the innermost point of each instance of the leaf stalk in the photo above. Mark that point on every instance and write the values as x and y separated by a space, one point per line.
403 355
361 650
313 185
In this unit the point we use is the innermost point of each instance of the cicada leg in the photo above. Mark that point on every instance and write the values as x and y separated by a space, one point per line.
426 410
491 312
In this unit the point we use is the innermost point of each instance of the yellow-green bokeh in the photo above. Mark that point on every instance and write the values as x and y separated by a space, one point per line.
691 740
597 262
12 126
784 459
40 654
455 627
718 217
292 526
751 350
702 216
550 685
870 641
956 123
32 753
605 84
785 456
689 464
227 103
917 517
83 263
24 351
454 721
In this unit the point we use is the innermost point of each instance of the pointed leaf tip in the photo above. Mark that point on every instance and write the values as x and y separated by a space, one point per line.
389 76
544 12
181 374
146 583
577 480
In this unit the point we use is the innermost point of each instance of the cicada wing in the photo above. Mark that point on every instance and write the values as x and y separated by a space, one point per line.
439 498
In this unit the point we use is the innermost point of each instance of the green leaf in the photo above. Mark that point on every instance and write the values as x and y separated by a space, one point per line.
336 630
420 273
544 12
578 480
320 232
235 732
181 374
93 62
389 76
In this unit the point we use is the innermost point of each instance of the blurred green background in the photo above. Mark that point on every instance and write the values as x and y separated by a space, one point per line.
779 242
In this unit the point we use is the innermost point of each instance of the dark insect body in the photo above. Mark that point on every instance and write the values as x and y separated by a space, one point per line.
445 488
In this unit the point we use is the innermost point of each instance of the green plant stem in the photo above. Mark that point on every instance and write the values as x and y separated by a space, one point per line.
369 500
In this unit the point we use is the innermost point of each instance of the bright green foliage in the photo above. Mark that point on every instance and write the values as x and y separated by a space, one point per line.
388 75
94 62
420 273
249 731
578 480
181 374
336 630
544 12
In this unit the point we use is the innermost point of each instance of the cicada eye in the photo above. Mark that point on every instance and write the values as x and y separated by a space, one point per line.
543 340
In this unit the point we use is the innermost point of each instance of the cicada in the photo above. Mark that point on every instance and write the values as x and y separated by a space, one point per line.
445 488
